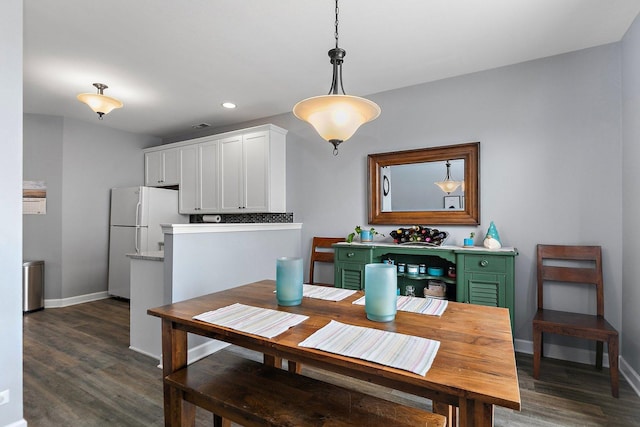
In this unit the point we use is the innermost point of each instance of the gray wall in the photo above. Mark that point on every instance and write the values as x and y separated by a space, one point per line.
550 159
11 210
80 162
631 198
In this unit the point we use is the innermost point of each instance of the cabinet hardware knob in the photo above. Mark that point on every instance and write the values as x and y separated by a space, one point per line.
350 254
484 263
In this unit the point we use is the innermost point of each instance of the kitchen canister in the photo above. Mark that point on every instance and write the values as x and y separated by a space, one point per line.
380 292
289 281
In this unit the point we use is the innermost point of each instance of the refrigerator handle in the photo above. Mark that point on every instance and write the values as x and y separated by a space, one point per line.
137 240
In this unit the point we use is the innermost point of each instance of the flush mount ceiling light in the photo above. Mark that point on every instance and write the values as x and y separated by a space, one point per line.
229 105
336 117
448 185
99 102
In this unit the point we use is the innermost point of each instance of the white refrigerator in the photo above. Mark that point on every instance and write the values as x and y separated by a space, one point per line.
136 215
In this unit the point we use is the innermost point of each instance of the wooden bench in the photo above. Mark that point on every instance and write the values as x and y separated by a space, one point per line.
252 394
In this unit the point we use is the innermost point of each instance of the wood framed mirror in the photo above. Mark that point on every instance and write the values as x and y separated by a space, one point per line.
403 189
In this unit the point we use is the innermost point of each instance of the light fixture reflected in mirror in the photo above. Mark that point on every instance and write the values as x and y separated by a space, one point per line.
99 102
336 117
448 185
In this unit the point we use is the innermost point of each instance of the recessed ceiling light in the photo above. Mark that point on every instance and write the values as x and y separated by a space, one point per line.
228 105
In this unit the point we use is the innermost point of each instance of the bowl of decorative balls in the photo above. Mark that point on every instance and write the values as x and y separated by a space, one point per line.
419 235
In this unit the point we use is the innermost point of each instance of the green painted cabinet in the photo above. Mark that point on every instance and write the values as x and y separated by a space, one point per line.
484 277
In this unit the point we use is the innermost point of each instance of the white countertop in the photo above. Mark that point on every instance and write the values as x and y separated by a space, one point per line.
148 256
228 227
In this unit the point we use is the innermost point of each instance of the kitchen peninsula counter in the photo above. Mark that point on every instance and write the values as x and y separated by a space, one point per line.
203 258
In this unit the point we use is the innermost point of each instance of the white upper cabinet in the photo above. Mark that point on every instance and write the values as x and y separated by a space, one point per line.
161 167
253 177
242 171
199 192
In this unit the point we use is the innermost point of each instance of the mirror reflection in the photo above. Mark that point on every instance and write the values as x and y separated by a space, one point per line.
438 185
413 187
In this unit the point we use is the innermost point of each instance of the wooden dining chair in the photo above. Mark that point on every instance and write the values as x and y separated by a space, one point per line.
585 268
321 251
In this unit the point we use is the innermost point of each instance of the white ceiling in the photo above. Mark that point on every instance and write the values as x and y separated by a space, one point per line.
174 62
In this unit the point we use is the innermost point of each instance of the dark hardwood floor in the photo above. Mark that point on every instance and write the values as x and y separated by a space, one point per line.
79 371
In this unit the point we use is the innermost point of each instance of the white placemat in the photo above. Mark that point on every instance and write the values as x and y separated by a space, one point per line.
253 320
406 352
326 292
430 306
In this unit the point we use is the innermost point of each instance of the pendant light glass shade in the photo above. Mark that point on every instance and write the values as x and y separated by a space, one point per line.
98 102
336 117
448 185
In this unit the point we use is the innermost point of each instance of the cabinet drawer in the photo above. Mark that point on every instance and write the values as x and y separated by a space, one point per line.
352 255
485 263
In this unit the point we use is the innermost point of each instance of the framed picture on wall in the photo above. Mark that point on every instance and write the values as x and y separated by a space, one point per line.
452 202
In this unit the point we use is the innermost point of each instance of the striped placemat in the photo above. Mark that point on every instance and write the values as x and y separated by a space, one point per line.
253 320
326 292
430 306
406 352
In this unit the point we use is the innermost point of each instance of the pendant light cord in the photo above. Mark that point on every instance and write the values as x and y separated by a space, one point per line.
335 34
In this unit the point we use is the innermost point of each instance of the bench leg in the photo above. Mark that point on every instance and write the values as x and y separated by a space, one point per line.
273 361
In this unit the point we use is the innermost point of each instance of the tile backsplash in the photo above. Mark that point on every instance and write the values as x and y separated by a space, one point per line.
248 218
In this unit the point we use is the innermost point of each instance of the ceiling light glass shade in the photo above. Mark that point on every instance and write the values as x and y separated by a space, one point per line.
336 117
448 185
100 103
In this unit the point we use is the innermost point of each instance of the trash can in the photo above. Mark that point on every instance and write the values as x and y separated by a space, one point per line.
32 286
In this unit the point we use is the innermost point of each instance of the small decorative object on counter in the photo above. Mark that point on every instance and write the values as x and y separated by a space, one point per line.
422 269
380 292
419 235
412 269
451 272
468 241
365 235
289 281
410 291
435 271
401 267
492 239
435 289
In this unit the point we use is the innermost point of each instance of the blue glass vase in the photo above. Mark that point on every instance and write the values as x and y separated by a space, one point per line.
289 281
380 292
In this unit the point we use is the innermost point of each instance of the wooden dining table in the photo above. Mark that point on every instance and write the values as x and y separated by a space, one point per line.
474 368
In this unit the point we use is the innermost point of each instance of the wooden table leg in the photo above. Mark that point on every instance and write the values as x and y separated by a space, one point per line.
269 360
449 411
177 412
473 413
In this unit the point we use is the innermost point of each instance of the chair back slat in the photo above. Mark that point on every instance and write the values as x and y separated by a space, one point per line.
547 254
321 251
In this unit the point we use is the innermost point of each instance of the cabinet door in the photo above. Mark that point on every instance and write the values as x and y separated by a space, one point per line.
349 276
256 171
188 195
485 289
171 171
231 182
153 168
208 177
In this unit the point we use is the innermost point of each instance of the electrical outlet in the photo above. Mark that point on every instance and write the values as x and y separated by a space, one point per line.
4 397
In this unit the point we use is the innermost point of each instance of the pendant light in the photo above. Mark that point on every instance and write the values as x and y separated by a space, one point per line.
448 185
336 117
99 102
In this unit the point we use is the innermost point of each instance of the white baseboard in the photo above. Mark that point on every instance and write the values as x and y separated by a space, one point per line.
630 375
578 355
21 423
66 302
203 350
